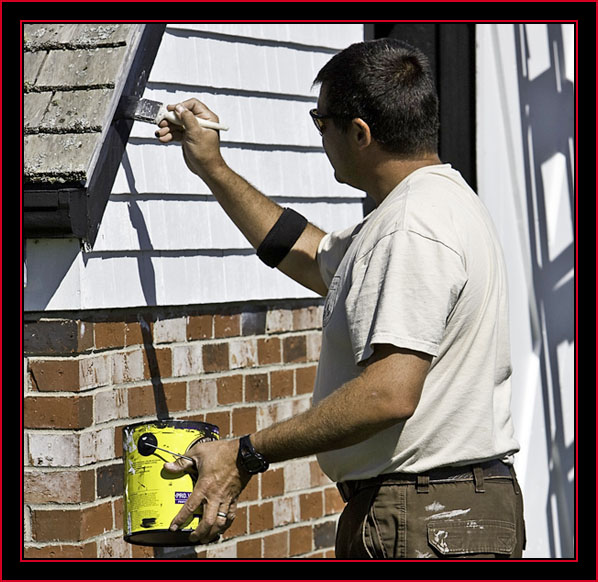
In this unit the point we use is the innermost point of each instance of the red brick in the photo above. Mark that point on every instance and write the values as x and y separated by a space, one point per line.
109 335
230 389
261 517
333 502
141 551
249 549
311 505
324 535
56 525
58 486
305 379
142 399
57 337
157 363
96 520
251 491
51 375
176 395
61 551
256 388
58 411
199 327
71 524
268 351
294 349
272 483
215 357
318 477
227 325
307 318
221 420
239 525
118 506
281 383
300 540
244 421
134 334
276 545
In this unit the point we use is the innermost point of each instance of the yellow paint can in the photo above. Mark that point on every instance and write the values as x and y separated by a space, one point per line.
153 496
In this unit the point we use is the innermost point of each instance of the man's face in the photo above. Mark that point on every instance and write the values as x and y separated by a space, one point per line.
334 142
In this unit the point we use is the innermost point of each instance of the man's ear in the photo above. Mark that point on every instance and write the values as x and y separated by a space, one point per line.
360 132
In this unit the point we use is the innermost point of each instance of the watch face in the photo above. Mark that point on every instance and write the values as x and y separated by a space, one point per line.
251 460
253 465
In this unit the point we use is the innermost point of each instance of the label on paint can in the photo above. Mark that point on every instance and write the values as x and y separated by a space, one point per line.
181 496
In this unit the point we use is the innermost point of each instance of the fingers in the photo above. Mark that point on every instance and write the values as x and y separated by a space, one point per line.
180 466
216 519
187 112
196 107
215 492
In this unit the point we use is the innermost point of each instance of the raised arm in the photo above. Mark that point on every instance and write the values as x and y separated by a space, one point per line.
251 211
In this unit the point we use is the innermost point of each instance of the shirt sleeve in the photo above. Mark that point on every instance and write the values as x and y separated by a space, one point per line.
402 292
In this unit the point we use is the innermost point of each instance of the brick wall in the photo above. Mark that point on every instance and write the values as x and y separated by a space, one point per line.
87 376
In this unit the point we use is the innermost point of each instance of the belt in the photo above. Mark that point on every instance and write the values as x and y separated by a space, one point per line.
489 470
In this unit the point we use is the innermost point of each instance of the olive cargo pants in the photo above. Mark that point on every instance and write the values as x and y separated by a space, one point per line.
465 512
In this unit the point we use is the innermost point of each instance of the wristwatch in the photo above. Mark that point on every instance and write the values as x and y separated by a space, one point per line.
252 461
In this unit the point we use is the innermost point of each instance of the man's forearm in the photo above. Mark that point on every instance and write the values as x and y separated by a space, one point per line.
386 392
255 214
330 425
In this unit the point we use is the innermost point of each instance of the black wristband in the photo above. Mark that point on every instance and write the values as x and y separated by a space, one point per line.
281 238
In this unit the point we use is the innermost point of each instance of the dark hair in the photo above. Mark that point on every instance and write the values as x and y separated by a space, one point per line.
389 85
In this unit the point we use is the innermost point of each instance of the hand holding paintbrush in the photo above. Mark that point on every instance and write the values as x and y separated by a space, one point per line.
150 111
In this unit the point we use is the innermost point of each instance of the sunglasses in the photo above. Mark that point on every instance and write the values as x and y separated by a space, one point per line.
318 119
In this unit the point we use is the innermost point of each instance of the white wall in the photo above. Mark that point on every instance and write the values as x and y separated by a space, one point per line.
163 239
525 139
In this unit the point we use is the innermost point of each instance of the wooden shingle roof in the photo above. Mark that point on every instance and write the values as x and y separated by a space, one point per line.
73 78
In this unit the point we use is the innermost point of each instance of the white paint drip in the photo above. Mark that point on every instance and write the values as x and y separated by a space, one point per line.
440 539
434 506
449 514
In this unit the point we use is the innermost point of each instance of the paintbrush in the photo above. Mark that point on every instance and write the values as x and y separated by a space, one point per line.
150 111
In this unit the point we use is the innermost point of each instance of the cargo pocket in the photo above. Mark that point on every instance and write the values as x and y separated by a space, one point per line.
464 538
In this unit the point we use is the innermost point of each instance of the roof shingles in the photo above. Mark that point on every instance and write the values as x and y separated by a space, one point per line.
70 73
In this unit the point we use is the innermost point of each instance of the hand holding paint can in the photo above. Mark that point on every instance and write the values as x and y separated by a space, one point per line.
152 495
220 479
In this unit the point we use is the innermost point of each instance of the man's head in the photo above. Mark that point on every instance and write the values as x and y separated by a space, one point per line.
389 85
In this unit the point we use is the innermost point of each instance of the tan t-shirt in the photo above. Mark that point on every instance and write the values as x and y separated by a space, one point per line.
425 272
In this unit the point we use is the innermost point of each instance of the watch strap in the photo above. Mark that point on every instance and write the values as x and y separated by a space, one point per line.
251 461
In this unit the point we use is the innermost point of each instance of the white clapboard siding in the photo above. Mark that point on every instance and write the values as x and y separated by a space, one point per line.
67 279
193 224
160 169
164 240
329 35
236 63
